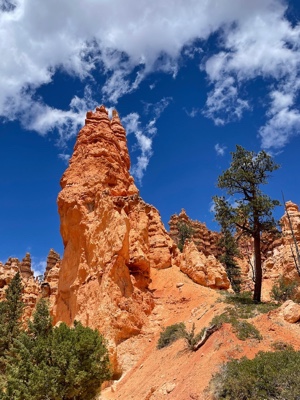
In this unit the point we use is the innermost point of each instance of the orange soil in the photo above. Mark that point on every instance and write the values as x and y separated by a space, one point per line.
174 372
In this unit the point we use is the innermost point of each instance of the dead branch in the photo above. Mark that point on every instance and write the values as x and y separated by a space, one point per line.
207 333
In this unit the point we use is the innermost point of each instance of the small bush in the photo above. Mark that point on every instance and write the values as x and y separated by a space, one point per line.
243 329
272 376
246 307
170 334
280 346
191 338
283 290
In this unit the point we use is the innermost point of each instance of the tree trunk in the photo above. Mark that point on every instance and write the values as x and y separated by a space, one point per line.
258 269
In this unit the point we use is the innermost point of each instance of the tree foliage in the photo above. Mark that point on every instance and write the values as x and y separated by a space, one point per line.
230 250
170 334
272 376
53 363
185 231
250 210
10 314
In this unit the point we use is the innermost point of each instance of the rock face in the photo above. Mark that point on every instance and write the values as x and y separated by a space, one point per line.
204 270
112 238
49 286
281 259
205 240
290 311
31 287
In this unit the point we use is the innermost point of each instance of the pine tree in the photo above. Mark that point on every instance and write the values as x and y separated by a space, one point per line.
185 231
251 212
230 250
56 363
11 310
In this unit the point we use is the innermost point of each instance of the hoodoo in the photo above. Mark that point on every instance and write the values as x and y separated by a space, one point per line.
112 238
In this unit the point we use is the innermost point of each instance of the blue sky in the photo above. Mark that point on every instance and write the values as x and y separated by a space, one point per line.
189 79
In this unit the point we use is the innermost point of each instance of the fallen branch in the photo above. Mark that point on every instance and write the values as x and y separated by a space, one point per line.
207 333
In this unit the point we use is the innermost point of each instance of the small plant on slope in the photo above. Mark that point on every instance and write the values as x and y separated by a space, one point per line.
170 334
270 375
282 290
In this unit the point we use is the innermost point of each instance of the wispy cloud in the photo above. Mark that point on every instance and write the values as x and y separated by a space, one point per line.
64 157
144 134
38 266
220 150
193 112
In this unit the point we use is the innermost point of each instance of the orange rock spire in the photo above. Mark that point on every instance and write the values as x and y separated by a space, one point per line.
112 238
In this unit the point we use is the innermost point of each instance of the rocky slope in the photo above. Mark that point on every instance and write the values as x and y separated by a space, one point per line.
174 372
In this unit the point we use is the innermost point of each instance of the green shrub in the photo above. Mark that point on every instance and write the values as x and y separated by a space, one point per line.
246 307
185 231
170 334
243 329
283 290
279 346
191 338
54 363
272 376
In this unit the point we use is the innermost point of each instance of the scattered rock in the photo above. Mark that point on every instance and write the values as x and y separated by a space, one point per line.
167 388
290 311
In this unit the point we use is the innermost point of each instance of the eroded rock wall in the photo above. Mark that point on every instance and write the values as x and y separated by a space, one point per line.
31 287
205 240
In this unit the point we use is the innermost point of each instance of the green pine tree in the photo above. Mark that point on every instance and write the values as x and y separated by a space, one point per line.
230 250
250 210
11 310
185 231
56 363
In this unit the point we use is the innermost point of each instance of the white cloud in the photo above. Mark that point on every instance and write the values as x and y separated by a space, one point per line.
126 41
132 125
262 44
220 150
144 134
212 207
223 103
38 266
64 157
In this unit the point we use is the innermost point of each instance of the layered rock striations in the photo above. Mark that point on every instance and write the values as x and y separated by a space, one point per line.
284 258
204 270
31 287
205 240
112 238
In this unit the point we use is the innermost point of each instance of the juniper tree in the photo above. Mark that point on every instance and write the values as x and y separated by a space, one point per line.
11 310
56 363
185 231
250 210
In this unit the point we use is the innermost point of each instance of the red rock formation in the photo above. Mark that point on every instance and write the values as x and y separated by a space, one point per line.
282 260
53 262
112 238
204 270
205 240
49 286
25 267
31 287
